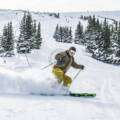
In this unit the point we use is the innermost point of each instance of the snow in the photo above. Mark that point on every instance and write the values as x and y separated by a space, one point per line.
49 108
22 82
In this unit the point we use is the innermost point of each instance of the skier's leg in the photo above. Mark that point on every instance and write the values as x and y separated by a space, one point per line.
59 74
67 81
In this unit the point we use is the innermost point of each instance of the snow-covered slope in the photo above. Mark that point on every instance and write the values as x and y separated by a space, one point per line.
21 79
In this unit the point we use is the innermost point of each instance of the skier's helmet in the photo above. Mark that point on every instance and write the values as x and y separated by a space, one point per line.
72 48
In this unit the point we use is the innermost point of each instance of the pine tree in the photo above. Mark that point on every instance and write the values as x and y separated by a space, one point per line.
63 34
4 38
79 34
29 28
93 22
10 36
90 24
118 42
99 41
93 38
114 41
106 35
7 42
23 44
56 35
116 25
98 26
33 38
1 48
34 27
70 37
38 37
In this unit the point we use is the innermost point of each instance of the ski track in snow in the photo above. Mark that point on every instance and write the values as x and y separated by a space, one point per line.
18 80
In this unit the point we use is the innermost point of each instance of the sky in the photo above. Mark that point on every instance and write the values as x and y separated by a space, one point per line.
61 5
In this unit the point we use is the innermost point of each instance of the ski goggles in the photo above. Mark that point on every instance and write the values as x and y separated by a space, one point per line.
72 52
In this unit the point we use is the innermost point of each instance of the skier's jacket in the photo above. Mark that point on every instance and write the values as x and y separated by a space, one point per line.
65 61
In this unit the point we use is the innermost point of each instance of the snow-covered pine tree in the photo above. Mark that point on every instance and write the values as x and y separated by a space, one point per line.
118 42
93 37
34 27
115 45
65 34
56 35
4 38
61 34
114 39
79 35
23 44
102 42
1 48
98 25
90 24
70 37
10 36
29 28
38 37
106 35
33 38
90 35
116 25
7 41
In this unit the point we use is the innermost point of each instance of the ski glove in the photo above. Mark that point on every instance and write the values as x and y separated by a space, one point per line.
82 67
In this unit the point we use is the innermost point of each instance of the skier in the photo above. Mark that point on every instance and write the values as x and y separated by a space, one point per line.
64 61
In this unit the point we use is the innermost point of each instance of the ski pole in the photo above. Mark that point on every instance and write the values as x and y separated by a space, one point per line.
76 74
27 60
47 66
4 60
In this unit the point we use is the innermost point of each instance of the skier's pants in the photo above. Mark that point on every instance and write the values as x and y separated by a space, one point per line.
62 77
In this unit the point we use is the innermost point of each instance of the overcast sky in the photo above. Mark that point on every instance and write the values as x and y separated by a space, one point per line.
61 5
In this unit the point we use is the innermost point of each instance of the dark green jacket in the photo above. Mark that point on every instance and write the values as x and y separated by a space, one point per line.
67 61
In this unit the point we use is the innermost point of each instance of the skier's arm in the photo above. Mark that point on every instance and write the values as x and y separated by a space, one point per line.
78 66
